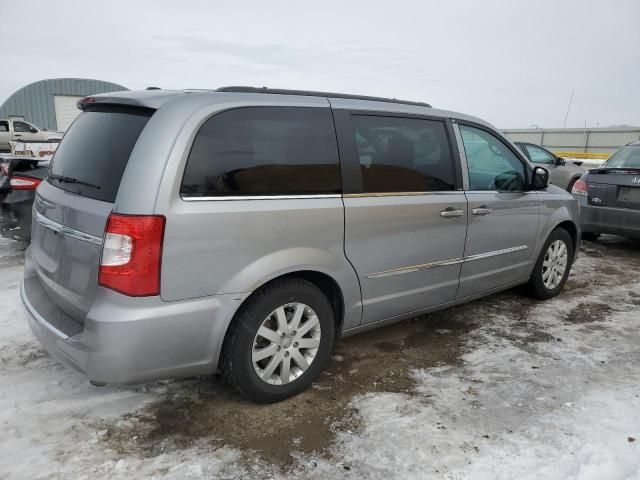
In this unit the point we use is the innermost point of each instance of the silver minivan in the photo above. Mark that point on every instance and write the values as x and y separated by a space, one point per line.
178 233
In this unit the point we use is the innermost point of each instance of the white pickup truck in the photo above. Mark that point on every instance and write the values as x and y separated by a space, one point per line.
22 131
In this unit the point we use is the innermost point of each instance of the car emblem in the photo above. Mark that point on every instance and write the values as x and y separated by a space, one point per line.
596 200
636 180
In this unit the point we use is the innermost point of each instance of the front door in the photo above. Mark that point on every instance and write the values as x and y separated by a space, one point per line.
405 217
503 215
559 174
24 132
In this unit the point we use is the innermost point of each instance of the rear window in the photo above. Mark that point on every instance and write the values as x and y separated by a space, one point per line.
626 157
264 151
95 150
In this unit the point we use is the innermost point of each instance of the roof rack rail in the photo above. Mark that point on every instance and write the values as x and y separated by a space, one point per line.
310 93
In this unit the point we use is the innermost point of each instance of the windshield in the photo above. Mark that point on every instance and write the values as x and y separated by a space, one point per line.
94 152
626 157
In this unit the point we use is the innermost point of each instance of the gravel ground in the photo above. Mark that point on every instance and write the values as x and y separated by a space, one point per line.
504 387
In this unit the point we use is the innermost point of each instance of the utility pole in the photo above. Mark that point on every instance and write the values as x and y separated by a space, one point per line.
568 108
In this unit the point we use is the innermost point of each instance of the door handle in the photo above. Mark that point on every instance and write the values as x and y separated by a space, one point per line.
483 210
17 135
451 212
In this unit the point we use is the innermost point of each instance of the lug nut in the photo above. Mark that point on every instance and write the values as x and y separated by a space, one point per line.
278 348
286 354
295 344
294 332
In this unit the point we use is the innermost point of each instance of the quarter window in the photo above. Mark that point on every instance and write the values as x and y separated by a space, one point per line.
492 165
4 126
264 151
403 154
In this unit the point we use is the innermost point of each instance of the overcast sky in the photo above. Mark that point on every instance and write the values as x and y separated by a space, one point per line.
513 63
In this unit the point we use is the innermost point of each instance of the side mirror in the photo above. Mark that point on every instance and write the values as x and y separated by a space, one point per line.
539 178
560 161
33 130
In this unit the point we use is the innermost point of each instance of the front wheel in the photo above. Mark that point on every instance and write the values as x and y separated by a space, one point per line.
279 341
552 268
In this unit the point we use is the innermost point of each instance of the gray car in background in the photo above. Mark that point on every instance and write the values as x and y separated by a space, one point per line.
561 173
245 230
609 196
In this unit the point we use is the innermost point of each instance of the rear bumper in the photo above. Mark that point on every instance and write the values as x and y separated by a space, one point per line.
128 339
613 220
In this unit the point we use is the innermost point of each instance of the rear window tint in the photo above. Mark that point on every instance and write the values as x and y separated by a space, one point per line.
94 152
264 151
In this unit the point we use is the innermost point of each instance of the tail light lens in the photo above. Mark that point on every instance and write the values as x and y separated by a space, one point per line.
24 183
581 187
132 254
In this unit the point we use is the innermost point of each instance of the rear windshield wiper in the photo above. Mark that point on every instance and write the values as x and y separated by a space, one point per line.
65 179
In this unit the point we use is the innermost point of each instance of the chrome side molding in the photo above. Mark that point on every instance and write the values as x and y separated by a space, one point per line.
442 263
258 197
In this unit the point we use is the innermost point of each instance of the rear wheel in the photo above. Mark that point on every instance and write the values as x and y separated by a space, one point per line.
279 341
552 268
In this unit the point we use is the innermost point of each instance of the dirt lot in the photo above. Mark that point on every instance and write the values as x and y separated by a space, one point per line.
504 387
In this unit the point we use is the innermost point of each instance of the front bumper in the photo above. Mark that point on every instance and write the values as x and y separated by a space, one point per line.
613 220
126 339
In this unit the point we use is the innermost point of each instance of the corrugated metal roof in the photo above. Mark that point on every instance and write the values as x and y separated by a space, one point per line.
35 103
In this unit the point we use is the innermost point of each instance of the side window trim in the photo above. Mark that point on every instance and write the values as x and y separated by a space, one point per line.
461 154
519 155
348 151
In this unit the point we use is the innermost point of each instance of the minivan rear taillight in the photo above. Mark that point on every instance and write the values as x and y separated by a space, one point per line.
24 183
132 253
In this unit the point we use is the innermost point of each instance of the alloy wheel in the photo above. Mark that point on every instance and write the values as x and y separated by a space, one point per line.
554 264
286 343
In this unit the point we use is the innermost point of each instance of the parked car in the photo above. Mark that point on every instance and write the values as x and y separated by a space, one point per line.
244 229
609 196
19 178
562 173
21 130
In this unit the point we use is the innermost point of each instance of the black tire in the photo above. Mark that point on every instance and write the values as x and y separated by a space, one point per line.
536 286
237 364
590 236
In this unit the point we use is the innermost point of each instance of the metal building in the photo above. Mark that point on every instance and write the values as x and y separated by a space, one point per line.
595 141
51 103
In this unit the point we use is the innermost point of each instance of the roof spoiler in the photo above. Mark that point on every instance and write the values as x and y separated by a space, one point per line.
91 101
